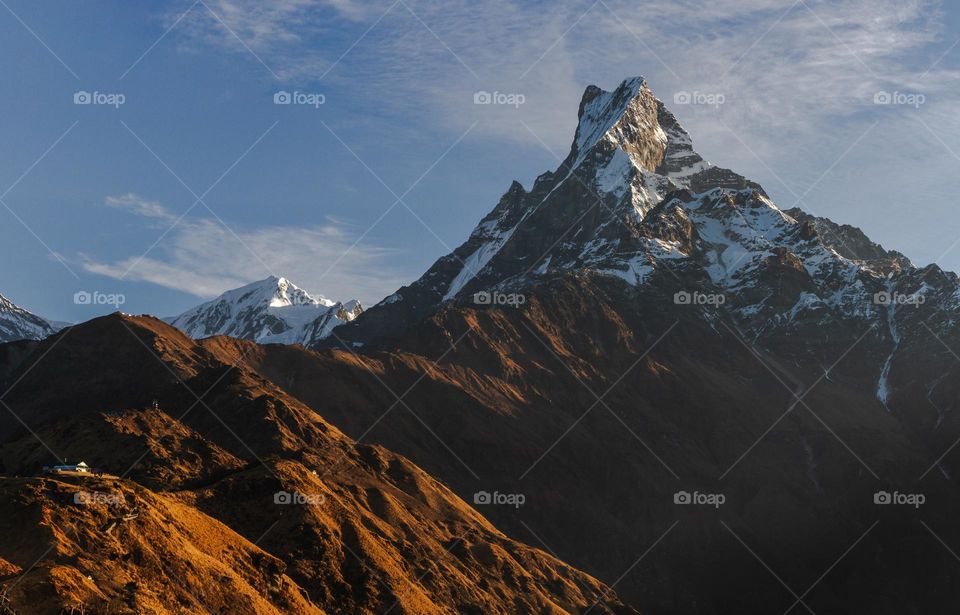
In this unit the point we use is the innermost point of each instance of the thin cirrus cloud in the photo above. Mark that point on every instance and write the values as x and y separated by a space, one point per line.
203 257
798 79
279 33
783 64
137 205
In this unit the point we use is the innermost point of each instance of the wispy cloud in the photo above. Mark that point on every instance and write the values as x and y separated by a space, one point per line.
280 34
798 76
782 63
136 204
203 257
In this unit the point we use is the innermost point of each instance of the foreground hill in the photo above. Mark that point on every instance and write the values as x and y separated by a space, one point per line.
239 496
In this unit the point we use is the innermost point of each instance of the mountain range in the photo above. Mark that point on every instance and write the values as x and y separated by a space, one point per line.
273 310
638 386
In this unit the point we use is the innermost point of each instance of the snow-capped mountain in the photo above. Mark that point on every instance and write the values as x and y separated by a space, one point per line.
628 154
633 200
17 323
273 310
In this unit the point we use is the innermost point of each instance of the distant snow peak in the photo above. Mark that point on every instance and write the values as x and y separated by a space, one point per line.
17 323
274 310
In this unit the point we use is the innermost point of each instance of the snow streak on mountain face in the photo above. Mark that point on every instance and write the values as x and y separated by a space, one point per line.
17 323
273 310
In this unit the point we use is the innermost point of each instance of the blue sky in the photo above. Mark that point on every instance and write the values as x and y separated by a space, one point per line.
198 182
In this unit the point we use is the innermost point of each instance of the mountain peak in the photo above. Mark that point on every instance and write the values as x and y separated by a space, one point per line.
626 117
17 323
270 310
631 85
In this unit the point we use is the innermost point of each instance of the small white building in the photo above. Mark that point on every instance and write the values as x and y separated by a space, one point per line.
79 467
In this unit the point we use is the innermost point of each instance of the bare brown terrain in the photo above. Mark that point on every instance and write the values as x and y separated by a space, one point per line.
188 518
489 396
